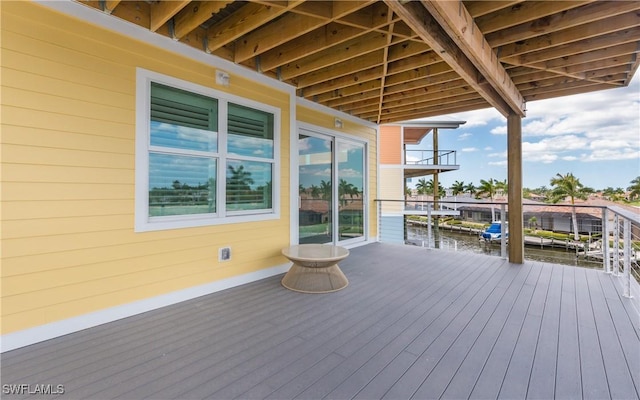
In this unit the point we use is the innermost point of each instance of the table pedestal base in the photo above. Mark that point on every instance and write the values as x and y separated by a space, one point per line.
314 279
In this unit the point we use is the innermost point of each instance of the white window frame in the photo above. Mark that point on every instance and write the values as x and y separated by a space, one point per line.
143 222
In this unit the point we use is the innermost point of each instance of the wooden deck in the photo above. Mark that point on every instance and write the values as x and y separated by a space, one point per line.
413 323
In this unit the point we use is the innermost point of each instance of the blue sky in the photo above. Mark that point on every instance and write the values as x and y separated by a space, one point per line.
595 136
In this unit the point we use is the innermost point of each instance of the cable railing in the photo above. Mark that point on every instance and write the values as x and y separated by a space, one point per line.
608 239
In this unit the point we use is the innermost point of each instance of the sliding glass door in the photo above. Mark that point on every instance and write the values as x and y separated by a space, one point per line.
350 190
331 176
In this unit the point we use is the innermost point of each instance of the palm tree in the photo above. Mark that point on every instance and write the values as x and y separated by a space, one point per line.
325 190
502 185
407 192
471 188
568 185
345 188
488 189
238 183
634 189
315 191
613 194
457 188
422 186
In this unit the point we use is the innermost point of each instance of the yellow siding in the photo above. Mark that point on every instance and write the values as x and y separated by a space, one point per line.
326 121
68 134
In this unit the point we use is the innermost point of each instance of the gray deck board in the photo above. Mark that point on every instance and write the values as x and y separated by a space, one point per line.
542 380
413 323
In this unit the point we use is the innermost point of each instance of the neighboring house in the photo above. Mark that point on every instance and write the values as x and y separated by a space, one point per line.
115 155
399 164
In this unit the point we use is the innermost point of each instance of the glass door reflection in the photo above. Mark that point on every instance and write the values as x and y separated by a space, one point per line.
315 205
351 189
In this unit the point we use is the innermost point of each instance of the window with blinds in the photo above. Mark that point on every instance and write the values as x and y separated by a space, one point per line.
194 169
250 159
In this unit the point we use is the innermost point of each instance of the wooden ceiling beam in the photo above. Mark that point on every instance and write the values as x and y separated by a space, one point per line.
290 26
239 23
585 15
342 82
427 71
336 54
194 15
385 63
339 70
449 29
270 36
162 11
479 8
530 15
587 48
404 104
432 90
325 37
400 52
436 110
417 102
413 62
310 43
617 54
110 5
616 28
567 89
345 92
578 65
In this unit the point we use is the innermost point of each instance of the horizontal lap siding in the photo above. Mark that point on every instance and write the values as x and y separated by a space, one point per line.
68 156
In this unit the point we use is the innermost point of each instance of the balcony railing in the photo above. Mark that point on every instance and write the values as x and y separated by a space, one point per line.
613 246
427 157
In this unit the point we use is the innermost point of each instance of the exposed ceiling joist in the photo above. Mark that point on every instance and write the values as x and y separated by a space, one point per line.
163 11
388 61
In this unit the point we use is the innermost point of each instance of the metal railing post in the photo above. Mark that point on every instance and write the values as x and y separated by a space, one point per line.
616 245
627 258
428 225
606 261
503 232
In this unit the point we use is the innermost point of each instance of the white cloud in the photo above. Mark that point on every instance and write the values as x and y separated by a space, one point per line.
469 149
488 148
465 136
611 154
498 163
502 154
476 118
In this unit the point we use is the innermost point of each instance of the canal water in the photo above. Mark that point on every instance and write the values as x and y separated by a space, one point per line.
470 242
